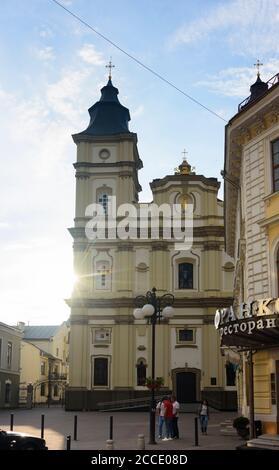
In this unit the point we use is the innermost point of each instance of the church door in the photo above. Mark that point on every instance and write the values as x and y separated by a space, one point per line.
186 388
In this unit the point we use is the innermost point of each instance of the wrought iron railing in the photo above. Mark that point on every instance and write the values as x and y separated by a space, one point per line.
271 82
129 403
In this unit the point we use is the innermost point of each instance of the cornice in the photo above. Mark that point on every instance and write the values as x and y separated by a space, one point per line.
124 302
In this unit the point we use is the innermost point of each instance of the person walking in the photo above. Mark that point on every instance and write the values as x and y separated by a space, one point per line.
160 411
175 411
168 415
204 416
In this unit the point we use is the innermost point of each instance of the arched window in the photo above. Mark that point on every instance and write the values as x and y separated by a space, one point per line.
103 200
141 372
185 276
55 390
103 275
103 195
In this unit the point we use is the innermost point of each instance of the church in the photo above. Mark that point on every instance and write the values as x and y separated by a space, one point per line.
110 349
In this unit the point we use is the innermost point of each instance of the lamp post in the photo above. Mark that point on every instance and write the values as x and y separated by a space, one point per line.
154 309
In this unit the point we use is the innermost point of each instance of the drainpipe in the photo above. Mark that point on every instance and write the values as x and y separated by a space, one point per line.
251 395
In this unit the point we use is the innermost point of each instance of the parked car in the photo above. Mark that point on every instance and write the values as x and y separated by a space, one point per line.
20 441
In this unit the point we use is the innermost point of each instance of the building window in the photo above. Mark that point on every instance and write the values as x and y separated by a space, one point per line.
213 381
43 368
55 390
8 392
277 263
185 276
103 275
0 351
141 372
100 372
103 200
9 354
230 374
275 165
185 336
57 352
273 389
102 336
43 390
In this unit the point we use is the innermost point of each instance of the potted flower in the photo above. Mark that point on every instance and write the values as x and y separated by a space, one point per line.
154 383
241 425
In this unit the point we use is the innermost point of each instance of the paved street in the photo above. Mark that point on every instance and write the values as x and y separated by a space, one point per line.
93 429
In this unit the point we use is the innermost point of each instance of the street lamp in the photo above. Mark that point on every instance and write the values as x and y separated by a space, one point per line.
154 309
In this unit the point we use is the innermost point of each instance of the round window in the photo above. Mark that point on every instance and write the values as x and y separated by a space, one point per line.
104 154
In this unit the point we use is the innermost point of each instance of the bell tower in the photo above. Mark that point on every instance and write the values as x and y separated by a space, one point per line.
106 168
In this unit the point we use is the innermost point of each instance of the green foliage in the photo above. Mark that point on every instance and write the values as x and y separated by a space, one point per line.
240 422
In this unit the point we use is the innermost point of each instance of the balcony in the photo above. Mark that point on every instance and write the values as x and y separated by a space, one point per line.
56 376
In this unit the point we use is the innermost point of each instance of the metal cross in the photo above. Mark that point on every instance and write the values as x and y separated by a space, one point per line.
110 66
258 65
184 153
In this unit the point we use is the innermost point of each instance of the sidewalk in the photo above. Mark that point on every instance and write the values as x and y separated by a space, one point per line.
93 429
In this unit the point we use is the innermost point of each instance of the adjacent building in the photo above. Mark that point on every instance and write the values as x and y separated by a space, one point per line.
251 174
110 351
10 339
44 362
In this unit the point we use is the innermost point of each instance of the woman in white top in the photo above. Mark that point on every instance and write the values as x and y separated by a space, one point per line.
204 416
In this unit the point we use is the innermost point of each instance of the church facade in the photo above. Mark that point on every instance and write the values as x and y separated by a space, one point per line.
110 350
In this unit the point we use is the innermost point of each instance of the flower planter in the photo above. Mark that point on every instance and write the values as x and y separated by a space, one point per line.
243 432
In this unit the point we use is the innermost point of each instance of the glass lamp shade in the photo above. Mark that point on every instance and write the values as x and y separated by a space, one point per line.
168 312
138 314
148 310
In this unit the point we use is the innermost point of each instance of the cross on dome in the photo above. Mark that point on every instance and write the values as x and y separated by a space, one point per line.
258 64
110 66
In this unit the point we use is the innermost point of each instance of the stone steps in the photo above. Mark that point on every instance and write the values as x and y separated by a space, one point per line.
265 441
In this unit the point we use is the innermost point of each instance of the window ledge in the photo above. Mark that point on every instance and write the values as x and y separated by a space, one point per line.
186 346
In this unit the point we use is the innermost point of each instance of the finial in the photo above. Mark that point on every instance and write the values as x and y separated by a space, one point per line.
184 154
110 66
258 65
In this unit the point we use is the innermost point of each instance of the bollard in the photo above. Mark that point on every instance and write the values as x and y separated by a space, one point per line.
141 442
68 443
42 426
110 444
196 432
12 422
75 428
111 428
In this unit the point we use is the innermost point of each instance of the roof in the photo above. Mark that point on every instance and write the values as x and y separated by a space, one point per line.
40 331
42 351
107 116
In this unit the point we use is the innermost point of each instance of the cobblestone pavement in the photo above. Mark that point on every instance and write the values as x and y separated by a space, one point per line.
93 429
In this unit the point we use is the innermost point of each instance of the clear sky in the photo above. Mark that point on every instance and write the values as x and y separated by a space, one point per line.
52 69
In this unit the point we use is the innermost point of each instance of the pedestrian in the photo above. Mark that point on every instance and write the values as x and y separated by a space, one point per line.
168 414
160 411
175 411
204 416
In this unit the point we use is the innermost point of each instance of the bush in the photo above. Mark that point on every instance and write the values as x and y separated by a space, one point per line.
241 422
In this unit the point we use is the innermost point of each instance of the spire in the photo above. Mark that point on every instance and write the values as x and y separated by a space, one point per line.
259 87
108 116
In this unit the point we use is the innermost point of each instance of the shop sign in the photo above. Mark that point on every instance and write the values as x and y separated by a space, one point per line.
252 316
